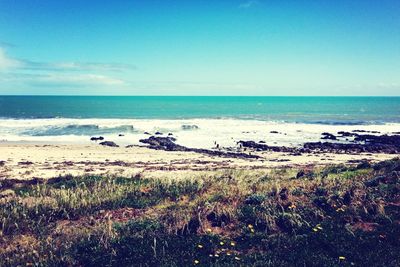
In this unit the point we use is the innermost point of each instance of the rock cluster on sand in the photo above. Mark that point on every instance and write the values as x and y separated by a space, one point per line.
109 143
94 138
389 144
168 144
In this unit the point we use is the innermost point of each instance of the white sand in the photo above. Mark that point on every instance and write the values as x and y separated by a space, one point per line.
55 160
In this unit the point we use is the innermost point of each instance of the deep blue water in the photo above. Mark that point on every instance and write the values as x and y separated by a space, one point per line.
322 110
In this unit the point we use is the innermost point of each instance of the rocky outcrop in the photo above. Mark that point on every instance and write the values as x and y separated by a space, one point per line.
264 147
109 143
328 136
389 144
94 138
168 144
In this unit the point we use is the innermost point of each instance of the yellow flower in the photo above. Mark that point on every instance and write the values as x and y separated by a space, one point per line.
252 230
237 258
233 244
315 229
200 246
250 226
216 255
342 258
221 243
228 253
208 230
196 262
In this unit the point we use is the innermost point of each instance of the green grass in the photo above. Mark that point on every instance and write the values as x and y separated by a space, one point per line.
327 217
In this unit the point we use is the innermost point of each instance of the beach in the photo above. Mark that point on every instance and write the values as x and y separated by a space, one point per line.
110 189
27 161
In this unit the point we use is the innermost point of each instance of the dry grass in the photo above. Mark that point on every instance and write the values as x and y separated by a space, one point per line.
323 217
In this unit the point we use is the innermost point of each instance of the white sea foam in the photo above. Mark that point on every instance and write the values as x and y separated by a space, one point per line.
225 132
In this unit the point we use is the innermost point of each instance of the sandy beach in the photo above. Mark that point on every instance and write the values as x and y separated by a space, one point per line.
26 161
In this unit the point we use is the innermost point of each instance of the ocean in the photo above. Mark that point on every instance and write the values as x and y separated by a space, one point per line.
194 121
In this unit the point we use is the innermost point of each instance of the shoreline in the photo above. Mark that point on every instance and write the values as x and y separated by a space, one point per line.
27 161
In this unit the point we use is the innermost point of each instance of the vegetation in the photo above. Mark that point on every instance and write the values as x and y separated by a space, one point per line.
331 216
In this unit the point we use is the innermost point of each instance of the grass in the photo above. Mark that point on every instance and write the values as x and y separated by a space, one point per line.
325 217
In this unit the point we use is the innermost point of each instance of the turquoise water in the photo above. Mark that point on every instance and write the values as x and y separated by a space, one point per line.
320 110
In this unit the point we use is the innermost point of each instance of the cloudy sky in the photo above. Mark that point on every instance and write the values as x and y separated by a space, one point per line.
235 47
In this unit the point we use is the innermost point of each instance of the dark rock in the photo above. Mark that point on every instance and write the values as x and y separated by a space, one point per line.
100 138
25 163
163 143
158 133
328 136
109 143
121 135
2 163
170 134
168 144
347 134
147 133
264 147
274 132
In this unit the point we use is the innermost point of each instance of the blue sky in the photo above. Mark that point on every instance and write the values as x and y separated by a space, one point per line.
236 47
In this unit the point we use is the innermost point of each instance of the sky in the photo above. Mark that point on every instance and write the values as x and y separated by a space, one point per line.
189 47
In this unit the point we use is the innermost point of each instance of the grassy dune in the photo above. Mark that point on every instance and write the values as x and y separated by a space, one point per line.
331 216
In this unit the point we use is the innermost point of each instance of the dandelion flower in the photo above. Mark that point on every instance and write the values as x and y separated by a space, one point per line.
342 258
315 229
221 243
233 244
252 230
208 230
250 226
200 246
196 262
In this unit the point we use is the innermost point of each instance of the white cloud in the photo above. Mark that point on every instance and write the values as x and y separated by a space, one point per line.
248 4
60 79
86 79
76 66
7 62
58 74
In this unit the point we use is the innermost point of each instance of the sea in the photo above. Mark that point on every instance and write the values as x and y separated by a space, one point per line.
195 121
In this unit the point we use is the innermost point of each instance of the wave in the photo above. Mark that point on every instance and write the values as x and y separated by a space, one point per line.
76 129
197 133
